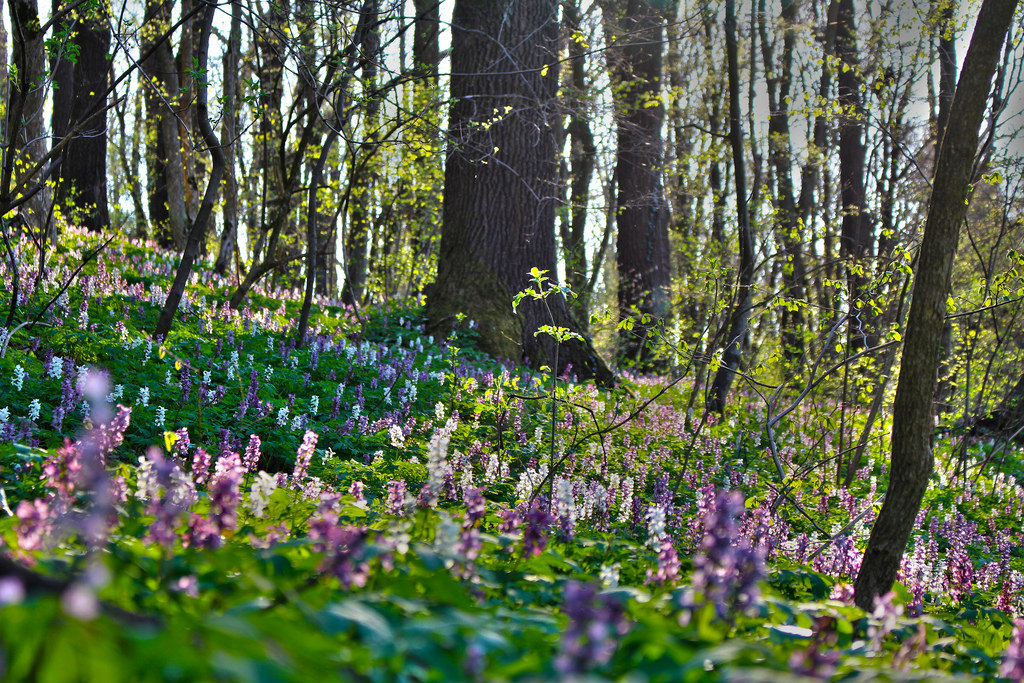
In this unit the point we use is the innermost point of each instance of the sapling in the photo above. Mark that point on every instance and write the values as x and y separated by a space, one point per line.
540 289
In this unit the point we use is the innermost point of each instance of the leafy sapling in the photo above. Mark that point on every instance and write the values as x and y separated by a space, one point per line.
540 289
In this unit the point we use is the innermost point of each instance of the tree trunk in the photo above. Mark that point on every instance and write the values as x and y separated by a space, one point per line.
363 174
912 459
165 174
500 194
83 168
787 225
740 314
229 214
25 123
582 159
856 235
197 234
635 31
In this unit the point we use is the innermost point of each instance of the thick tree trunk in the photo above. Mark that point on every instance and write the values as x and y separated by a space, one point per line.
912 459
83 169
25 130
500 194
740 314
635 31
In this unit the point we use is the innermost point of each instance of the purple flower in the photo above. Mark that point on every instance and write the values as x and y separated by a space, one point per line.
728 566
1013 659
395 501
304 457
201 465
535 535
252 454
595 623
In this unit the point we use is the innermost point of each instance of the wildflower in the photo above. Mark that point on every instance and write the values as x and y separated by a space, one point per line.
160 417
327 456
395 501
5 415
439 411
144 396
200 466
355 490
33 409
1012 667
727 567
397 436
263 487
535 536
565 507
314 405
252 453
282 416
655 525
437 470
12 590
18 378
303 457
609 575
595 624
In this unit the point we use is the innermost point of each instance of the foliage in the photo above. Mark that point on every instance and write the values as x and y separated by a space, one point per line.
368 506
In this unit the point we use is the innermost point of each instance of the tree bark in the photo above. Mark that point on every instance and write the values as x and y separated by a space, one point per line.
635 31
912 460
229 213
197 234
500 194
856 234
740 314
25 130
83 169
787 225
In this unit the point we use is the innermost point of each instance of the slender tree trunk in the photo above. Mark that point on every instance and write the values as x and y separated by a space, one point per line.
856 237
787 225
912 459
197 234
363 173
229 212
582 159
740 315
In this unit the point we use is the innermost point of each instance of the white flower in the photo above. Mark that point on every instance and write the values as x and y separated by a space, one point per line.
439 411
609 575
206 376
655 525
161 414
144 396
355 412
259 495
18 379
56 368
314 405
282 416
33 409
116 393
397 436
297 422
328 455
5 415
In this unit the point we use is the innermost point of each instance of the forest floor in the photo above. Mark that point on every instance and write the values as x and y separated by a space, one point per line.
374 504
